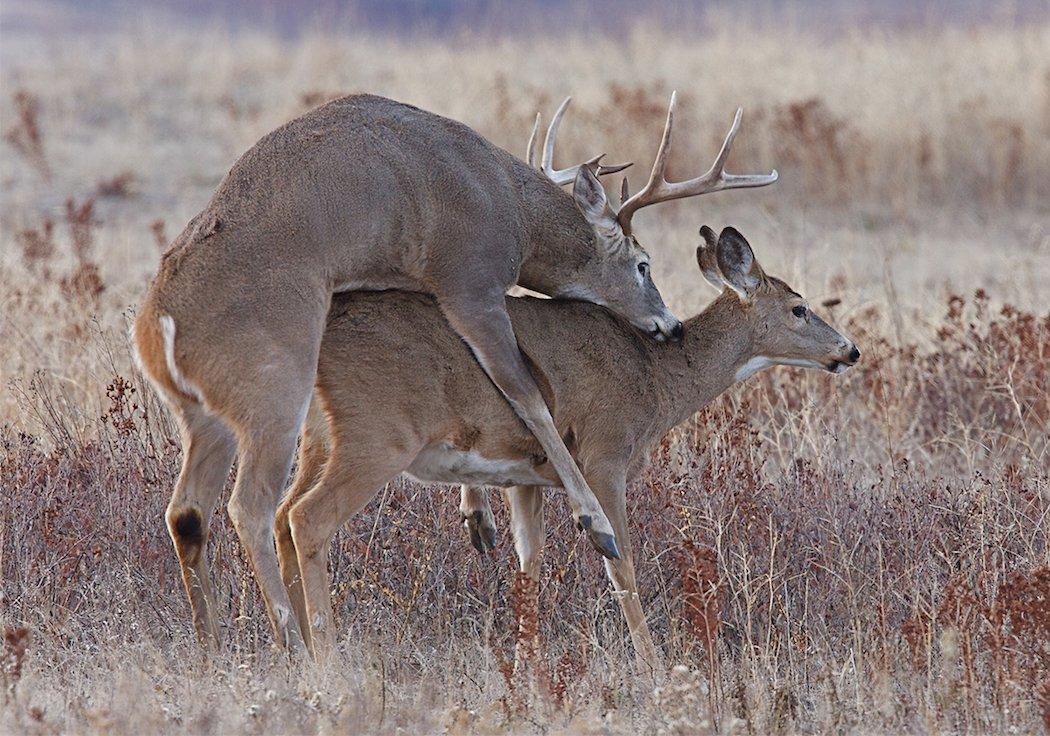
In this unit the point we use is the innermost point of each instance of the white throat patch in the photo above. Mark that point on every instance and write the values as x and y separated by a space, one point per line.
759 362
579 292
753 366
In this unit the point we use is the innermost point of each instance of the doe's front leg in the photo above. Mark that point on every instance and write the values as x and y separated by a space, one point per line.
612 494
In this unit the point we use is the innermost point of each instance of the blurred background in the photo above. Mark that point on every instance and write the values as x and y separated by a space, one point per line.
828 552
913 138
288 17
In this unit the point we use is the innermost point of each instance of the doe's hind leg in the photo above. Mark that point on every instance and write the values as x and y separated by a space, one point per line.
352 477
313 453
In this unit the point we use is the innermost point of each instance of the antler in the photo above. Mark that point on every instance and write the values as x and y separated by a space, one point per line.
658 189
562 176
530 151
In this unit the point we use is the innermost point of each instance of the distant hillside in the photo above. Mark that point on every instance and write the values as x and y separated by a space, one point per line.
450 17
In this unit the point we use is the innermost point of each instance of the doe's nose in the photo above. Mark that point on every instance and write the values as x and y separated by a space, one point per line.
854 354
677 331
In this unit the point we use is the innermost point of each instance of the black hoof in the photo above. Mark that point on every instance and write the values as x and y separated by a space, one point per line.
488 536
482 536
604 543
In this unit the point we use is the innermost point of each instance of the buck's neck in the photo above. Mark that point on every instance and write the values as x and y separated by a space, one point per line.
561 242
717 343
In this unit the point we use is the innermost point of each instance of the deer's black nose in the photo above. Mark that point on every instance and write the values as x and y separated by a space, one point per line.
677 331
854 354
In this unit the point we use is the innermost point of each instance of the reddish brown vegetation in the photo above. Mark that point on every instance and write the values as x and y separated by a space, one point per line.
785 555
119 186
25 135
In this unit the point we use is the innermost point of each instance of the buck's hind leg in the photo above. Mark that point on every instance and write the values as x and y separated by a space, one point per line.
313 452
265 460
208 448
477 517
486 327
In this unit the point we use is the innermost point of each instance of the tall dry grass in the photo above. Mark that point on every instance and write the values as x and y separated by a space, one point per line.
860 553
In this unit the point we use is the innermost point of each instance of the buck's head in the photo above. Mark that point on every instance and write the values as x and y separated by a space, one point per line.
622 280
619 277
783 329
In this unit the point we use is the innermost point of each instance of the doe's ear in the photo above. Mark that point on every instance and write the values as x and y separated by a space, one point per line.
737 263
591 199
707 260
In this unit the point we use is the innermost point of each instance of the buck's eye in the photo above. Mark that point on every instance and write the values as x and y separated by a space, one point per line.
643 269
799 311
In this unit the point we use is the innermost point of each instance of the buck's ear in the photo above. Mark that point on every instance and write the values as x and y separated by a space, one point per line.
708 260
737 263
590 198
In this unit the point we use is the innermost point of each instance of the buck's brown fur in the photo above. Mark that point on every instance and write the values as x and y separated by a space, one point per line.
362 193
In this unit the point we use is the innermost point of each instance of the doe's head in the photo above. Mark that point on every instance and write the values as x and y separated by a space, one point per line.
784 329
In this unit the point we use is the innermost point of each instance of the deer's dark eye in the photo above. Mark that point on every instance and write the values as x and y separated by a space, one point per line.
799 311
643 269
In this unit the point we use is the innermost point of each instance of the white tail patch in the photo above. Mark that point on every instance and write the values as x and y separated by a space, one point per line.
167 329
135 356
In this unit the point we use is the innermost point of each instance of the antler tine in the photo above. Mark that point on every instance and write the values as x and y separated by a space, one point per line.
530 149
736 181
658 189
723 154
647 194
547 162
566 176
612 168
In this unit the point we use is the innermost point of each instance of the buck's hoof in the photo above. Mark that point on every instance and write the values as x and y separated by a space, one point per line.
602 541
482 531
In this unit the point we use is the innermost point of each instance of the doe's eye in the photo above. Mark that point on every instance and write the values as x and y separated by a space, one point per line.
643 269
799 311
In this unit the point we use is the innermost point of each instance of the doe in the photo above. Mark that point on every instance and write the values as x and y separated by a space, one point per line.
398 392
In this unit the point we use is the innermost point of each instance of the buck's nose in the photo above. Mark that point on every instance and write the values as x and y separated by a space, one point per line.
677 331
854 355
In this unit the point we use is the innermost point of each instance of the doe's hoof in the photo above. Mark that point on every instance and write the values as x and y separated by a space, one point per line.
482 532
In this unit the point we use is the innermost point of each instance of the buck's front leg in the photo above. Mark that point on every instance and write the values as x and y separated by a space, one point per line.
477 517
484 324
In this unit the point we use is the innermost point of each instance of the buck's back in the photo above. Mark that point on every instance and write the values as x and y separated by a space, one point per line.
359 180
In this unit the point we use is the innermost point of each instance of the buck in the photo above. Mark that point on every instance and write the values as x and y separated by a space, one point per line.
366 193
398 392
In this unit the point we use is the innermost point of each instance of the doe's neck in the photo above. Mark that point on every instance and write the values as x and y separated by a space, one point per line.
717 350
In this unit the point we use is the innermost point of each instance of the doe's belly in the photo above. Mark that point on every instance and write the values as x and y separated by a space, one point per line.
441 462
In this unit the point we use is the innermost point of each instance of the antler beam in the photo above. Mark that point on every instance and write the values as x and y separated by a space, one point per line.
658 189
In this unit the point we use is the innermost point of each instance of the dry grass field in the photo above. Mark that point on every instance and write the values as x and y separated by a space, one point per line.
837 554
